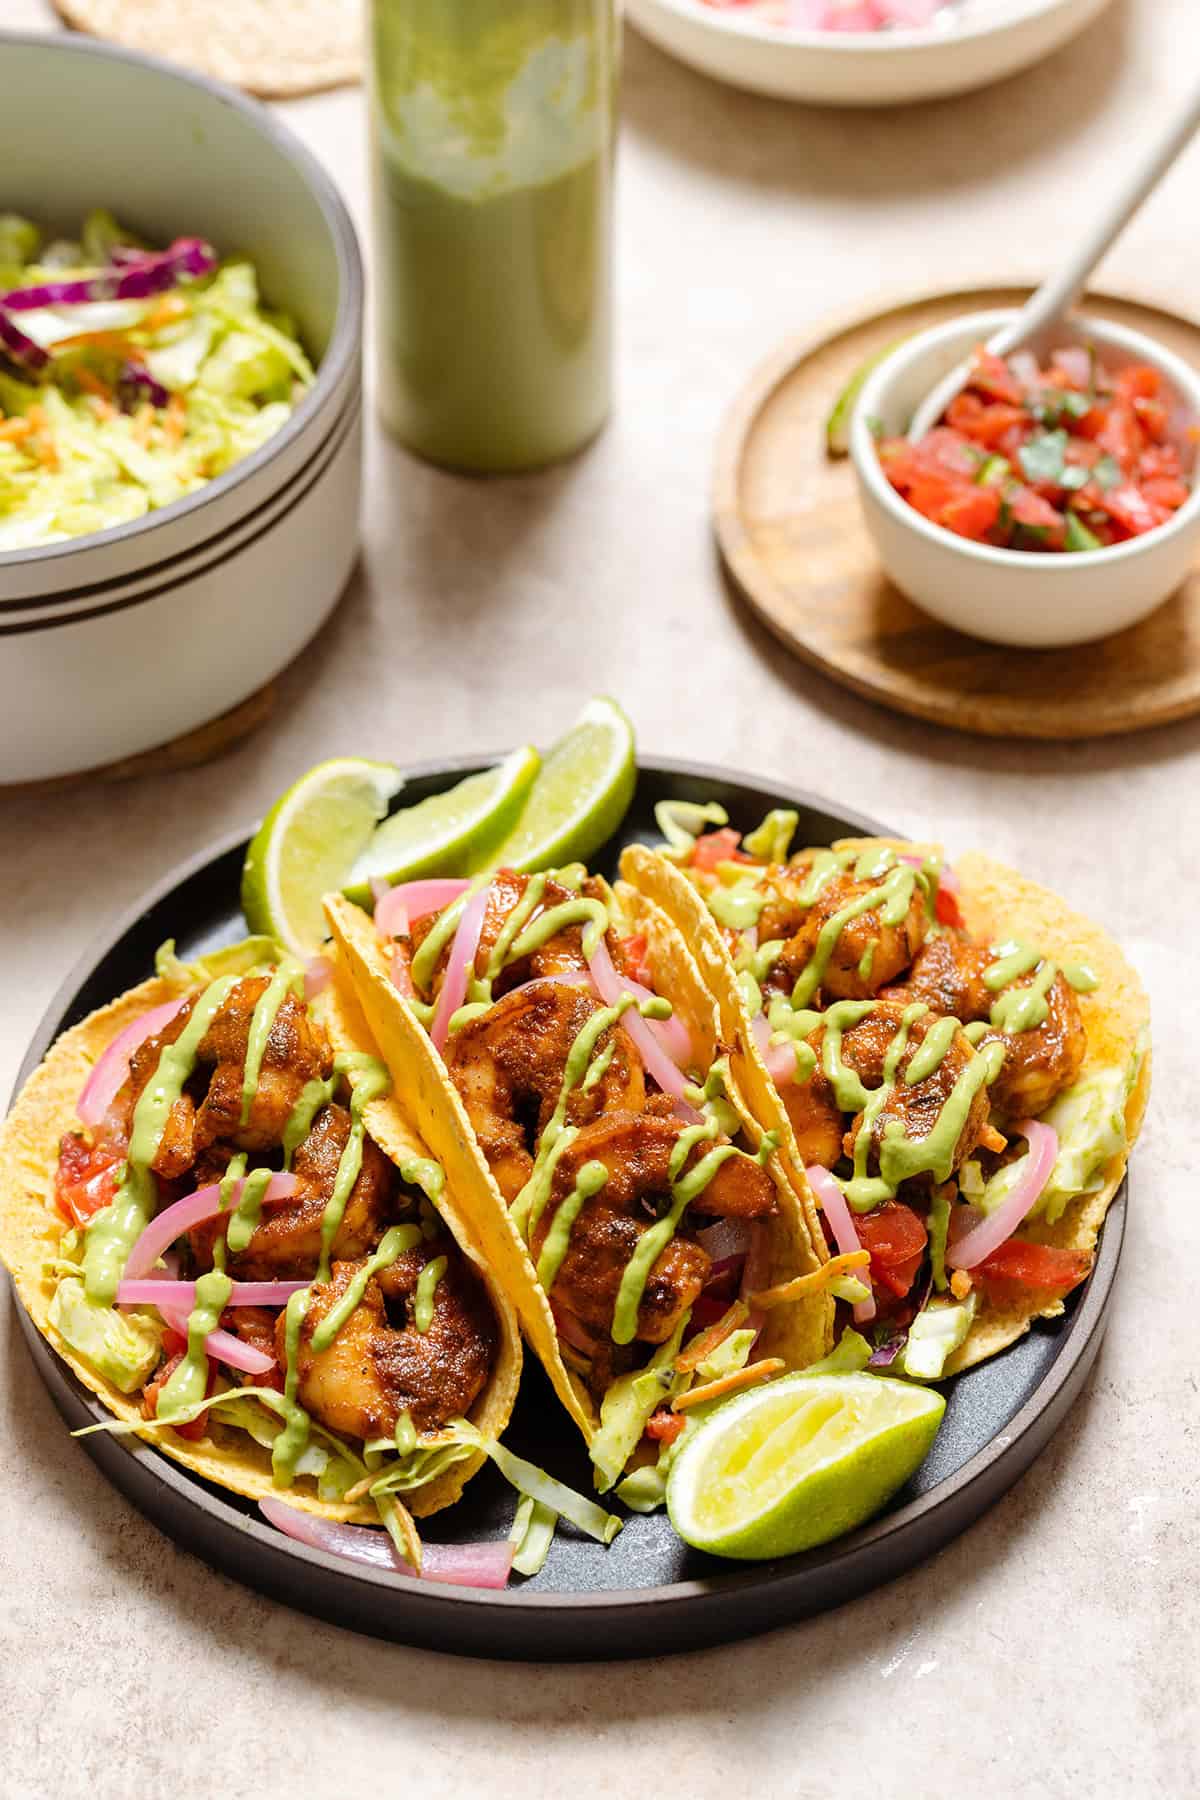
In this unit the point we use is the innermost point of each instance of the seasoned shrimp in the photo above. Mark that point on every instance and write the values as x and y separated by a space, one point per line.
866 955
286 1244
379 1365
509 1063
1038 1063
560 953
917 1107
609 1226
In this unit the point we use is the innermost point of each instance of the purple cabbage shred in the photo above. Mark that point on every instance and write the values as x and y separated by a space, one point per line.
153 273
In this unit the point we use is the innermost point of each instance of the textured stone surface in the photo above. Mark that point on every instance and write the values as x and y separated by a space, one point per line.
1052 1650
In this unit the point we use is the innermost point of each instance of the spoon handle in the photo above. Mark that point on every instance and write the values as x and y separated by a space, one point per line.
1059 292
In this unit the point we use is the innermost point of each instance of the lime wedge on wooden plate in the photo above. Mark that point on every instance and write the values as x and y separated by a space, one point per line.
306 843
581 794
437 836
837 425
798 1461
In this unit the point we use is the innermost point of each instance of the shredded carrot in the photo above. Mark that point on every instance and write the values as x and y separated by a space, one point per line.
103 409
961 1284
169 308
175 420
750 1376
143 419
991 1139
707 1342
115 341
13 430
804 1286
92 384
45 447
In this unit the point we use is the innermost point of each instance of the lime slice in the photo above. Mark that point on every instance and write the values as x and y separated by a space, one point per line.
837 425
798 1461
308 843
440 835
579 798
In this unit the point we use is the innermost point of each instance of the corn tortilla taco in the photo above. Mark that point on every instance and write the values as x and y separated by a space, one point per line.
567 1066
956 1061
315 1206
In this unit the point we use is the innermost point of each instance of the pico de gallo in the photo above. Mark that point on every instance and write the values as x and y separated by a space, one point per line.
1068 456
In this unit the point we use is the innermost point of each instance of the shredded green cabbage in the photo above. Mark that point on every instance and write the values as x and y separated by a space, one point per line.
773 838
99 454
935 1332
124 1347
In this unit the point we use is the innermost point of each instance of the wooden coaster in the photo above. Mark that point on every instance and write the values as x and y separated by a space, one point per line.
274 48
792 538
187 752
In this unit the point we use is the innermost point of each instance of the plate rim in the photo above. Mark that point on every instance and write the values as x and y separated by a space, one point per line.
729 1583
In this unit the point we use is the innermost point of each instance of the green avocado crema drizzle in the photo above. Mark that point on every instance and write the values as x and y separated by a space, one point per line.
739 906
588 1182
262 1020
313 1096
892 897
290 1443
373 1084
427 1282
185 1387
392 1245
114 1230
233 1174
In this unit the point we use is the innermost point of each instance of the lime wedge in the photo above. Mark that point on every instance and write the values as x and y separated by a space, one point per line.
799 1461
440 835
308 843
579 798
837 425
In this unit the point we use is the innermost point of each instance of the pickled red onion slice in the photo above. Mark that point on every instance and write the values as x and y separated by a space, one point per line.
462 957
464 1565
193 1209
836 1207
779 1058
318 974
415 900
220 1346
659 1066
968 1251
112 1070
160 1290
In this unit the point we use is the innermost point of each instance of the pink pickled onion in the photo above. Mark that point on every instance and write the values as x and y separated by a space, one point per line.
415 900
112 1070
133 1292
458 969
1023 367
727 1239
969 1251
318 974
379 887
946 876
193 1209
836 1208
1075 363
610 986
671 1033
463 1565
779 1058
221 1346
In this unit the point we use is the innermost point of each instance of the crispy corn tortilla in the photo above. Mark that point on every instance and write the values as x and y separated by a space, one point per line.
30 1230
997 902
798 1333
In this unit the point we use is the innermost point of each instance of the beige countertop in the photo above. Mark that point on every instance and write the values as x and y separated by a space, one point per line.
1052 1650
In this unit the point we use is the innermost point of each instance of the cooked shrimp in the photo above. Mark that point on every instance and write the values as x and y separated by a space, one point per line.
286 1244
562 952
867 953
609 1226
379 1365
1038 1063
508 1065
917 1107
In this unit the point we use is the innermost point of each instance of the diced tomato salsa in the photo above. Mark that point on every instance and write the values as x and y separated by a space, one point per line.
1069 456
86 1177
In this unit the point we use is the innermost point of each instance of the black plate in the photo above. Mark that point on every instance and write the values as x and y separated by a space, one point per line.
648 1593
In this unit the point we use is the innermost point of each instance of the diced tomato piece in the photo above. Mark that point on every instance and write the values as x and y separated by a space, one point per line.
1138 382
664 1426
633 957
1166 491
991 375
86 1177
948 453
1035 1266
896 1238
973 513
947 909
1152 417
718 847
1129 507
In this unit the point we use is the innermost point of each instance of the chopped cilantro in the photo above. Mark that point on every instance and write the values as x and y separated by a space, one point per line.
1042 456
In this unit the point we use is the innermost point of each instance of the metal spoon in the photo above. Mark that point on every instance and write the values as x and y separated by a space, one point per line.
1045 311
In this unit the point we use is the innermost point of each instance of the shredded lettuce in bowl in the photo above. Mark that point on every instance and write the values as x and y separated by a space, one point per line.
140 401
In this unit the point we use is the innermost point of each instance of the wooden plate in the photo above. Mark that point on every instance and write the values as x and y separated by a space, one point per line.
792 538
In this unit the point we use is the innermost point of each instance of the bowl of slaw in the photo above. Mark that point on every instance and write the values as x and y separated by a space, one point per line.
210 331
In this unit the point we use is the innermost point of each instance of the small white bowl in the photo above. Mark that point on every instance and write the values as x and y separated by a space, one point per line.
890 68
114 643
1038 600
